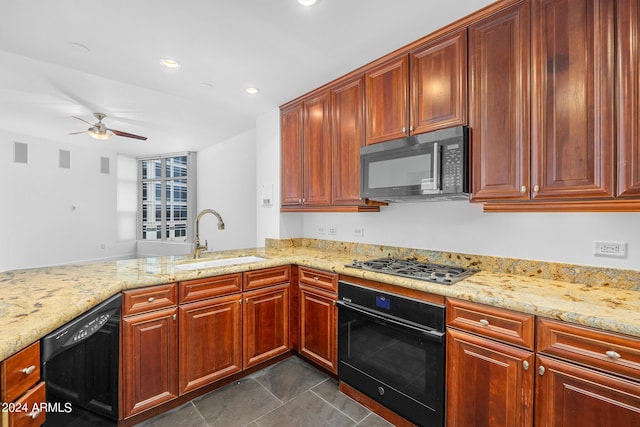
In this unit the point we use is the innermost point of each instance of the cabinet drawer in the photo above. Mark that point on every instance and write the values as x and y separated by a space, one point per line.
19 372
148 299
492 322
31 401
318 278
590 347
267 277
195 290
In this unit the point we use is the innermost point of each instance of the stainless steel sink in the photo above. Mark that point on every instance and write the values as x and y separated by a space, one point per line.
212 263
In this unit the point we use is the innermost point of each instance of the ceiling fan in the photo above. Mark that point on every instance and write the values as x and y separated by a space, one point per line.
100 131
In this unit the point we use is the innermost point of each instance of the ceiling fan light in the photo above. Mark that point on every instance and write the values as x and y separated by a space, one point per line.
100 135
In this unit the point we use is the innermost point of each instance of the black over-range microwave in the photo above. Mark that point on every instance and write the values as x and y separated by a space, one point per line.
429 166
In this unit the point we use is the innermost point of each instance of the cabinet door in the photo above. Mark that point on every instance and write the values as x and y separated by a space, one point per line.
318 327
210 341
439 84
291 154
569 395
265 324
499 104
150 362
573 103
347 102
317 151
387 100
628 97
488 383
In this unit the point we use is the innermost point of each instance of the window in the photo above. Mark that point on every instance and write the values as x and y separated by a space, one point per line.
167 197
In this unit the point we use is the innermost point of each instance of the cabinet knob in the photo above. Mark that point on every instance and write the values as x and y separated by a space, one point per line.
523 189
404 130
541 370
151 299
410 128
525 365
28 371
613 354
300 201
316 278
536 188
484 322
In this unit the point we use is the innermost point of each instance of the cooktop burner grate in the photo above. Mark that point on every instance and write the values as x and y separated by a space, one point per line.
411 268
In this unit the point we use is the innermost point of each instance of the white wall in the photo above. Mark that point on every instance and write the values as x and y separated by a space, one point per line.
227 184
52 215
460 226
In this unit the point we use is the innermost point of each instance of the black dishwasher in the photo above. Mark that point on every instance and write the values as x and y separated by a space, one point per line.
80 368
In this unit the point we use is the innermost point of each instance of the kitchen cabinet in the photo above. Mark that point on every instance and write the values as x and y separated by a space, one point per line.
210 340
417 92
149 348
573 109
265 314
499 104
347 100
318 317
628 96
586 377
265 324
490 366
306 153
21 391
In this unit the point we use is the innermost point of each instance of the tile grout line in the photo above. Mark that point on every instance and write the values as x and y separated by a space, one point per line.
339 410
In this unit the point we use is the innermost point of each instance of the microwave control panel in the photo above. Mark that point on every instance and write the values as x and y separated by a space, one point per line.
453 173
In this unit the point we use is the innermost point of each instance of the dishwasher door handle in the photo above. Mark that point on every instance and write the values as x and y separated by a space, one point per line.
431 334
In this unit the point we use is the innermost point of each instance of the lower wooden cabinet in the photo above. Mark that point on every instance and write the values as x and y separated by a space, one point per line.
318 326
571 395
489 383
265 316
22 394
149 360
210 341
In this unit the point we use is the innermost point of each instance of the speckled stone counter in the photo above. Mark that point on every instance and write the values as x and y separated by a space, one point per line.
34 302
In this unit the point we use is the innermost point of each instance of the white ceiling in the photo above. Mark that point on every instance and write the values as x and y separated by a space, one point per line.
277 45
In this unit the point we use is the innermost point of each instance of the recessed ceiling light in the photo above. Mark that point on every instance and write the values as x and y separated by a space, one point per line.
170 63
307 2
252 90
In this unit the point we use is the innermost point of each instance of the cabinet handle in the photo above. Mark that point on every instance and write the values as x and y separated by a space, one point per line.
541 370
34 414
613 354
484 322
28 371
525 365
151 299
523 189
174 317
316 278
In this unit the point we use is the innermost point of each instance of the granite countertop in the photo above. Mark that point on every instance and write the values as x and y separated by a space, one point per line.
34 302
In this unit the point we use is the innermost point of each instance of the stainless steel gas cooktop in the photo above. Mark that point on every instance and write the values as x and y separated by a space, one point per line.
411 268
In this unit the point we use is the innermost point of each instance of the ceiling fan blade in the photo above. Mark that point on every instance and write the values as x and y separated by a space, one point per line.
77 133
127 134
83 120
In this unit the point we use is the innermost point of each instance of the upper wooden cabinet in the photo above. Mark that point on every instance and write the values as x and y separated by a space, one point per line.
291 125
499 104
439 84
419 92
628 97
573 132
348 136
387 100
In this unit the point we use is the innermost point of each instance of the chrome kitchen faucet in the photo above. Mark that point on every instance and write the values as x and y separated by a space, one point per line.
199 248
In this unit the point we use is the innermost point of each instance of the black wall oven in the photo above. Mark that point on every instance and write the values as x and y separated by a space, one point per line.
392 349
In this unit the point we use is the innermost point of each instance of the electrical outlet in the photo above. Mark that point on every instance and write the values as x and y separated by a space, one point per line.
332 231
358 232
321 231
610 249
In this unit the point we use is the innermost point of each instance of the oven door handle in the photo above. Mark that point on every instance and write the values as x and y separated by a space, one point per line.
384 320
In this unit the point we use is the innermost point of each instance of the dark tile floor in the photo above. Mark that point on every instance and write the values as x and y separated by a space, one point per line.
289 393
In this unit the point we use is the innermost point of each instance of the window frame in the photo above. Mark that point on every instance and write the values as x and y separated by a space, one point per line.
190 179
